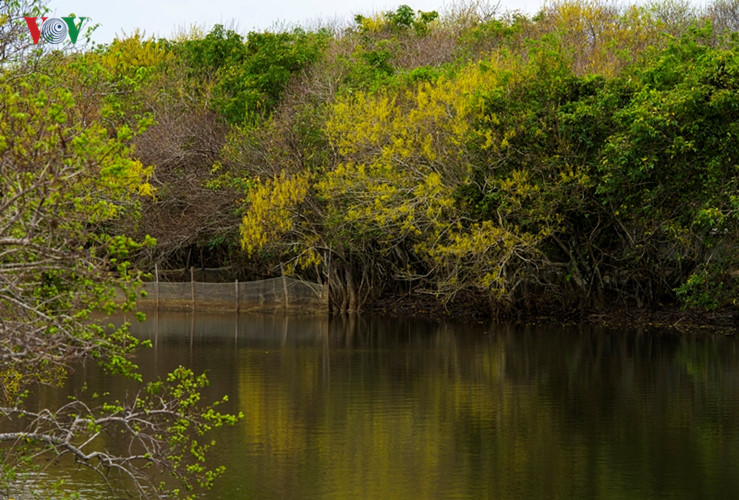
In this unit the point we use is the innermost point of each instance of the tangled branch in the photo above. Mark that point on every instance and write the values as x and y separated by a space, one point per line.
156 434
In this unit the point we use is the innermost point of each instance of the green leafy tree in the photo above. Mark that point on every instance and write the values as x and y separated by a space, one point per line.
249 76
65 178
669 170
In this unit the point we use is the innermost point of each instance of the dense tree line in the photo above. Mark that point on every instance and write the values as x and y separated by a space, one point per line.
583 156
569 159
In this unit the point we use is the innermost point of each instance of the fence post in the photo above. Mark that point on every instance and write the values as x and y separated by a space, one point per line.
284 286
237 295
236 327
192 286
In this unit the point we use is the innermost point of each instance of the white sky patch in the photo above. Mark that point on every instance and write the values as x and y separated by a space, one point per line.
164 18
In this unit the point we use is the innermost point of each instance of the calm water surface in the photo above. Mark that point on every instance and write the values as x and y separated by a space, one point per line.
386 408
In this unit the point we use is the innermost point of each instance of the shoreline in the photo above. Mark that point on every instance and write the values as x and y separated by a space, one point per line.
723 321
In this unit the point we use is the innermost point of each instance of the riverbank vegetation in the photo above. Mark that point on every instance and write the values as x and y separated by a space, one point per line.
581 157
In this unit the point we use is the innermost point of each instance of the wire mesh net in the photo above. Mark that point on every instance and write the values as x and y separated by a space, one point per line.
264 295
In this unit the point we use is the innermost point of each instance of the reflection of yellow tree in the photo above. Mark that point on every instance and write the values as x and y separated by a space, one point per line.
354 442
512 416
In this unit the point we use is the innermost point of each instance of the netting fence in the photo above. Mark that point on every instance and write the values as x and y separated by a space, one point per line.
273 294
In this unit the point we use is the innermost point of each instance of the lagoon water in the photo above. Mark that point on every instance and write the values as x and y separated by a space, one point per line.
380 408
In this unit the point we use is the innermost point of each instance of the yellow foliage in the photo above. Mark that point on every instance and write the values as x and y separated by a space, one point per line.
518 185
376 112
146 190
13 381
428 126
375 23
405 153
378 199
271 211
134 52
481 256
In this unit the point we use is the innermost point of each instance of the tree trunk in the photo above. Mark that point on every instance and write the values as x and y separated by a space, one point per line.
350 288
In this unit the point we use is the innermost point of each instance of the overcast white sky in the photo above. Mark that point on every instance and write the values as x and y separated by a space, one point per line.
162 18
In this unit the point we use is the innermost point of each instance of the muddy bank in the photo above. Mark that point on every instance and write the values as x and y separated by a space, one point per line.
724 321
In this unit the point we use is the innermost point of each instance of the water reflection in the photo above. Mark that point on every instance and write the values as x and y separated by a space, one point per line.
374 408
